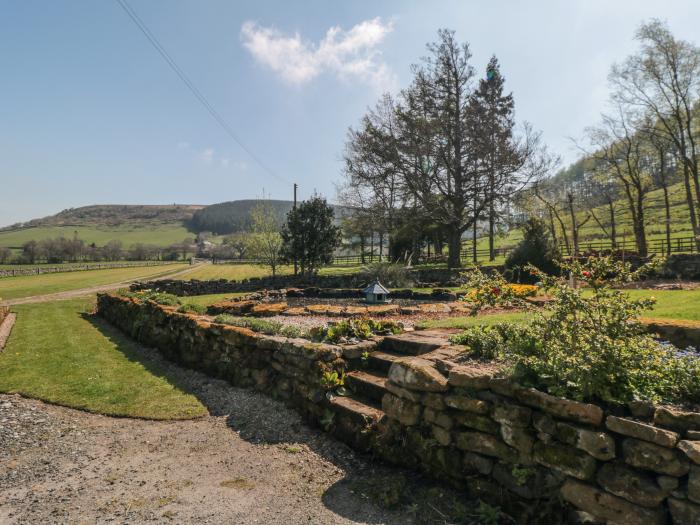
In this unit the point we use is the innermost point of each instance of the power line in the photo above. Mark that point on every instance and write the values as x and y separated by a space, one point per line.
190 85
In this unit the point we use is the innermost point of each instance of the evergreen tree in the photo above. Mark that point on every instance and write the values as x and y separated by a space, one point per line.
493 120
310 236
536 248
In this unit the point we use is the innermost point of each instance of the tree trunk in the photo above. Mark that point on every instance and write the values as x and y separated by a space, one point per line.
613 226
454 248
474 258
667 206
574 227
640 235
691 205
492 221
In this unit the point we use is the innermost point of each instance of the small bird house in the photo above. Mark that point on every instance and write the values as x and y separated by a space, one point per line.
376 293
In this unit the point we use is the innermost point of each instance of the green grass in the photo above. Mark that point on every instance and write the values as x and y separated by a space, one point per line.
68 265
156 234
59 354
206 300
236 272
29 285
670 304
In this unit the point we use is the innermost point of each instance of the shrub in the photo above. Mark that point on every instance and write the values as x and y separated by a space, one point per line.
537 248
263 326
354 328
166 299
590 346
191 308
493 290
390 274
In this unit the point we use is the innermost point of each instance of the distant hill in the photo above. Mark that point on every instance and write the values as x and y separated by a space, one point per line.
159 225
113 215
234 216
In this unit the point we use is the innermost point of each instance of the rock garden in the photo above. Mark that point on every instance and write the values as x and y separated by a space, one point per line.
584 413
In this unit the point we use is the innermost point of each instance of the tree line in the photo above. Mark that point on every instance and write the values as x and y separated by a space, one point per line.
444 161
648 140
443 156
61 250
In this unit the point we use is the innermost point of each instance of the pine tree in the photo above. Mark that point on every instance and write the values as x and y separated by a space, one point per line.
493 120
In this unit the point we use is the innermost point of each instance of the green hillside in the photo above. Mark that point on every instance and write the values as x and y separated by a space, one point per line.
655 220
149 224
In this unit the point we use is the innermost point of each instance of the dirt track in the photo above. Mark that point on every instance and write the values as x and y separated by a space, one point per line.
252 461
70 294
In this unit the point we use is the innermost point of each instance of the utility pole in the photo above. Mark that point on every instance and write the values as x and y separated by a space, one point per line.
296 270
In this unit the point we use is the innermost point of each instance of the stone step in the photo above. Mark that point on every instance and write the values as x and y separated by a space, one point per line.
415 343
366 384
380 361
361 412
356 421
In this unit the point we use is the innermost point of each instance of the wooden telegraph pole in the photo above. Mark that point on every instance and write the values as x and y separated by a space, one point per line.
295 207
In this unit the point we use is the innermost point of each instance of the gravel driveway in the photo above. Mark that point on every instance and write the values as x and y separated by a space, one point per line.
251 461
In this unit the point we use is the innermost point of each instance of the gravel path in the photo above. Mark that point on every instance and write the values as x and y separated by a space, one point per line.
252 461
71 294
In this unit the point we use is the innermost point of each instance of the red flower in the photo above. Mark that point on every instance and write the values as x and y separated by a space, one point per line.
587 275
496 291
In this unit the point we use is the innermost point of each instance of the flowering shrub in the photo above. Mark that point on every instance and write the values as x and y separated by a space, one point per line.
494 290
590 345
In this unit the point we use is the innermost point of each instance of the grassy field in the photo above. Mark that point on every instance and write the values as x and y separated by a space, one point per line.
237 272
26 286
159 235
58 353
69 265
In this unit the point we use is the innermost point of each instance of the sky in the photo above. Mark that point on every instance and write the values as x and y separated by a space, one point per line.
90 113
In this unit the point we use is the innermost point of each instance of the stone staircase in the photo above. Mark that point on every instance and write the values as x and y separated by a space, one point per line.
366 383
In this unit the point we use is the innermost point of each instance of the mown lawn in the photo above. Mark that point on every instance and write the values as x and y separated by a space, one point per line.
670 304
206 300
59 354
236 272
29 285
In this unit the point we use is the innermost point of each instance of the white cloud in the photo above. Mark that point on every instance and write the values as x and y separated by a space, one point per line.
347 54
207 155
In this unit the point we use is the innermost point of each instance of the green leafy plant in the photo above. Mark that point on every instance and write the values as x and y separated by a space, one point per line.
166 299
522 474
263 326
488 514
358 328
327 419
588 344
332 379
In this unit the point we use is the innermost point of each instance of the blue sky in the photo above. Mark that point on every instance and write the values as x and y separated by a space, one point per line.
90 113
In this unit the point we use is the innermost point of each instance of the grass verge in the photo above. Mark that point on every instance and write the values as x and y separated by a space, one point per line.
27 286
60 354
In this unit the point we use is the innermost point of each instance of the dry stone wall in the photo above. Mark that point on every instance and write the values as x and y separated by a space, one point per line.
542 458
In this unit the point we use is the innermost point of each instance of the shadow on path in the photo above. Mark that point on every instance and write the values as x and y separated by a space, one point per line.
369 491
